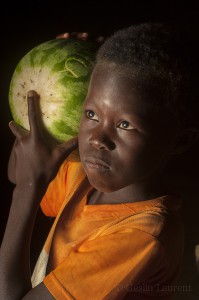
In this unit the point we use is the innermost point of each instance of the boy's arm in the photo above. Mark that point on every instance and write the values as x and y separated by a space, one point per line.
11 162
79 35
36 165
11 165
15 274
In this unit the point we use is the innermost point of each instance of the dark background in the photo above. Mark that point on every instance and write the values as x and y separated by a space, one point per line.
24 25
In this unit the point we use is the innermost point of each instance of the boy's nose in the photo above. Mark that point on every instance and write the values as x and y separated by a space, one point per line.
101 141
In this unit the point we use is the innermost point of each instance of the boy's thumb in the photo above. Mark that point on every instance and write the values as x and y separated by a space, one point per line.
67 147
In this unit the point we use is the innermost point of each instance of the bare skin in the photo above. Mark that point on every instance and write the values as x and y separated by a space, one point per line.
123 147
81 36
37 163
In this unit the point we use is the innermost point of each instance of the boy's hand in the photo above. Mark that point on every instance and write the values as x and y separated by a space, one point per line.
82 36
37 158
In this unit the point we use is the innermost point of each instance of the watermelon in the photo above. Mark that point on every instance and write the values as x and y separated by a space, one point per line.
59 71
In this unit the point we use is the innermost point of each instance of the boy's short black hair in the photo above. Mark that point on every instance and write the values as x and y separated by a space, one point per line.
163 60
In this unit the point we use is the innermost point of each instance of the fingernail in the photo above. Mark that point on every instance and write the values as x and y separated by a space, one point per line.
10 123
100 39
66 35
31 94
84 34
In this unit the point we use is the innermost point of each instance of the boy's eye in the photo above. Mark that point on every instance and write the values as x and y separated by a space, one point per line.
126 125
91 115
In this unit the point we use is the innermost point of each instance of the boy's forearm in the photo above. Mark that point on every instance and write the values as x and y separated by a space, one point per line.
35 161
15 274
12 165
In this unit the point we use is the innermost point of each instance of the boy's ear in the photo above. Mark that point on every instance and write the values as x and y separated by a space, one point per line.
186 139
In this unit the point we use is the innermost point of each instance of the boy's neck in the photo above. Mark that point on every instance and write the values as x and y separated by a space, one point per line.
129 194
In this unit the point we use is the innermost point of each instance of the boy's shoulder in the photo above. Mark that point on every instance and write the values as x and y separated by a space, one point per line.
67 180
158 218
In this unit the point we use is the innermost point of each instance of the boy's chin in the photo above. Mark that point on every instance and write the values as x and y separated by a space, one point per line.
101 186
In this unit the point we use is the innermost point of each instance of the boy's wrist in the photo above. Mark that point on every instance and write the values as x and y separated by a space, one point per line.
30 192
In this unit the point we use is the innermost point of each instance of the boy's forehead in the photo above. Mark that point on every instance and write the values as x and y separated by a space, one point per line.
113 74
109 84
107 68
114 89
115 83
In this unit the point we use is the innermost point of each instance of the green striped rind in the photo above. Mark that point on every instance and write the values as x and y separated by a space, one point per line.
59 70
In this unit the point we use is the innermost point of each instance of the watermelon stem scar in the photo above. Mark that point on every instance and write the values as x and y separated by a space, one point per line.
78 59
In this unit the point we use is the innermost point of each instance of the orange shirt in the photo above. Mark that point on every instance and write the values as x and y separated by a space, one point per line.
108 251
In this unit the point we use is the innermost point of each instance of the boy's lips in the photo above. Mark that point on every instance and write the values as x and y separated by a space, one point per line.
97 163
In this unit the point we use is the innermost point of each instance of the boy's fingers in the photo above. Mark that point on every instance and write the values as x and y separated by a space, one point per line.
67 147
65 35
82 36
33 111
78 35
100 39
17 130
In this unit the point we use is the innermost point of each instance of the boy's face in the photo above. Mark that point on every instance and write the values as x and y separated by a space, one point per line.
122 143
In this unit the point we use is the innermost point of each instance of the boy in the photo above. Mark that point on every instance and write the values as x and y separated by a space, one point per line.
117 232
